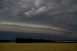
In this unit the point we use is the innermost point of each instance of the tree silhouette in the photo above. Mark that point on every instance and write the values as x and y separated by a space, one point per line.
30 40
4 40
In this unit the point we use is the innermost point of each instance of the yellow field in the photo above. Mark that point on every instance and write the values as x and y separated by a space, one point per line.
38 46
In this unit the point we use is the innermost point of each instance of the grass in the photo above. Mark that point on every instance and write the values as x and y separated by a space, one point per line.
38 46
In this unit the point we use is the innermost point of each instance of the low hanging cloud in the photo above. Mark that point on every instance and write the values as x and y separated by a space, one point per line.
32 25
31 28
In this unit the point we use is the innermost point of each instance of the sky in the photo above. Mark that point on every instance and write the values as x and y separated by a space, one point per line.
46 18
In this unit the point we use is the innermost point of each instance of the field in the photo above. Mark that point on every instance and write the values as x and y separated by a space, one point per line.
38 46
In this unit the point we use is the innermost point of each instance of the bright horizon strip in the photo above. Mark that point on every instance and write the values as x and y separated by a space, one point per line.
31 25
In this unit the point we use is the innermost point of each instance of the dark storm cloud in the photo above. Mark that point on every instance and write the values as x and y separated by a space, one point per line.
58 16
14 35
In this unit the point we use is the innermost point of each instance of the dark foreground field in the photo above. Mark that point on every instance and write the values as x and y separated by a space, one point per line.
11 46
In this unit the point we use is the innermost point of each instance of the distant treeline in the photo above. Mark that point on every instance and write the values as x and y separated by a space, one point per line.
4 40
70 41
30 40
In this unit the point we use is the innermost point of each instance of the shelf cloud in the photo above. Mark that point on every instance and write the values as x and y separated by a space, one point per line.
36 16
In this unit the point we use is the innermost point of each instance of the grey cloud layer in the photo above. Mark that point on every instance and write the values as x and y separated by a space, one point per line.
57 13
31 28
